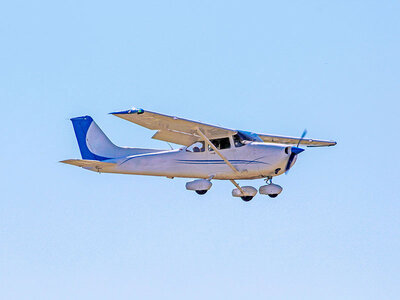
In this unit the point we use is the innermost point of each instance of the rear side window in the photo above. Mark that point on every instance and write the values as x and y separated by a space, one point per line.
220 144
196 147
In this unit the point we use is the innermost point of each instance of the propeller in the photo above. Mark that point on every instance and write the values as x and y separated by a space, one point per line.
294 151
302 137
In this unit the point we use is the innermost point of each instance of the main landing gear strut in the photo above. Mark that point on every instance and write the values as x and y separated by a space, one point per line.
245 192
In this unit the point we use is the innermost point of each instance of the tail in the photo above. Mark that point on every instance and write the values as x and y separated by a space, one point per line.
92 141
95 145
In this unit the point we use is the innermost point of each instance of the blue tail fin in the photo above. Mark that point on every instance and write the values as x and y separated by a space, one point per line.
82 125
95 145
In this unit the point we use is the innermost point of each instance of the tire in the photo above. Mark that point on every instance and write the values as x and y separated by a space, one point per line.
247 198
201 192
273 195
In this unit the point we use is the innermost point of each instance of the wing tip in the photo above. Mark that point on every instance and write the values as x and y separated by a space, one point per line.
331 143
133 110
326 144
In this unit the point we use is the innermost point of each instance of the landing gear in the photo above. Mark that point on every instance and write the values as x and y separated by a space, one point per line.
200 186
272 190
201 192
247 198
245 192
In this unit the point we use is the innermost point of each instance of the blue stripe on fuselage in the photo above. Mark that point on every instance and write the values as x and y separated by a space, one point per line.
210 162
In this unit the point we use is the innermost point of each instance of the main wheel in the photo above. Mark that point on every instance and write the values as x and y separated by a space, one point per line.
273 195
201 192
247 198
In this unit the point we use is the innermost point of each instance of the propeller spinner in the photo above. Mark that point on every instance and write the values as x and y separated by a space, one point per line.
294 151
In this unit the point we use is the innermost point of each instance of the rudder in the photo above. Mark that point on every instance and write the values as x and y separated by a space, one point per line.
91 138
95 145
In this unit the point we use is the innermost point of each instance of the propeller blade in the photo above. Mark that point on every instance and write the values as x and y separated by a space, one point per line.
290 160
294 151
302 137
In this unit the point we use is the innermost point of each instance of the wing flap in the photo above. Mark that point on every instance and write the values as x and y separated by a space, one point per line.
179 138
172 127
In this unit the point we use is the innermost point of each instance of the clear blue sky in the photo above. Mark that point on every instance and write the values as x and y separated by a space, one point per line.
332 67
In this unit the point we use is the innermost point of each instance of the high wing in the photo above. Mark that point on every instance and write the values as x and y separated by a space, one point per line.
185 132
173 129
269 138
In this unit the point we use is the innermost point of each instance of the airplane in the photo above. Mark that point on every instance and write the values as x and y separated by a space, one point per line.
209 152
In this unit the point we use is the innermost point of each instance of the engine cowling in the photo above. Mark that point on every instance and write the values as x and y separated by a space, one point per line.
199 185
292 152
270 189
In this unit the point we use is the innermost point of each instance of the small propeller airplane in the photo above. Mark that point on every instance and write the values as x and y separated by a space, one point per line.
209 152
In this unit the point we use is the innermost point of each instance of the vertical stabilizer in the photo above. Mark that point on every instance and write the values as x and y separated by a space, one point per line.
95 145
92 141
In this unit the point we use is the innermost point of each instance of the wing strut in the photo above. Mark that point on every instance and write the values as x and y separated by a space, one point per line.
238 186
223 157
217 151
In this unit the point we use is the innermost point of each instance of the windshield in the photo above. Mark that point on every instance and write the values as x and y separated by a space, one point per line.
238 141
249 136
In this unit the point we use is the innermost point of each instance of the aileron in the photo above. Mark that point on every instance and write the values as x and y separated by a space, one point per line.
268 138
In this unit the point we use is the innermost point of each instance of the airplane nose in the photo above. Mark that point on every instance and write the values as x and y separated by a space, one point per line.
296 150
292 157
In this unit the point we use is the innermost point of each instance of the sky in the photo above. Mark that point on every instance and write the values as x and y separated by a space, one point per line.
274 67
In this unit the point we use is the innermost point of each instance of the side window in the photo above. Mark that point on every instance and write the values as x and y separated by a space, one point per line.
238 141
220 144
196 147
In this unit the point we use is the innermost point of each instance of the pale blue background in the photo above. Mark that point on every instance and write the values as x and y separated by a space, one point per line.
276 67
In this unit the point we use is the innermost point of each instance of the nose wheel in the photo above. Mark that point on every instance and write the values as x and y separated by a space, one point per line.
272 190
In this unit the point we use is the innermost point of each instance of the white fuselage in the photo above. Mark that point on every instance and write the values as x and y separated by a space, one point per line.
253 160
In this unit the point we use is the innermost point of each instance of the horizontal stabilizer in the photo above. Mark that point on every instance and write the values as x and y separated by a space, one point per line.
86 163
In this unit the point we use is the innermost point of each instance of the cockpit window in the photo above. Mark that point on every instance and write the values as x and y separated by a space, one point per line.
196 147
220 144
249 136
238 141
